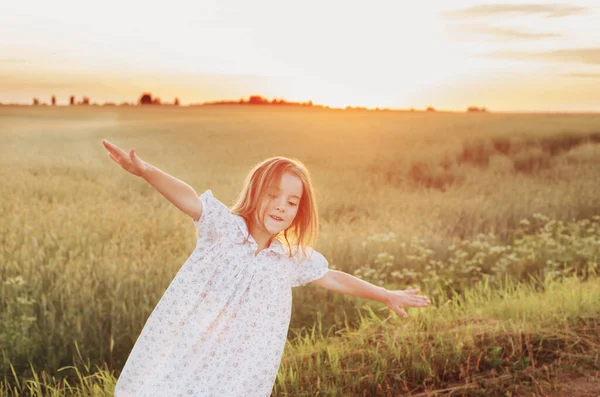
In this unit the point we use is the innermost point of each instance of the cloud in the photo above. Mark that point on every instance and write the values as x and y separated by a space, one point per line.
487 10
551 10
589 56
584 75
503 33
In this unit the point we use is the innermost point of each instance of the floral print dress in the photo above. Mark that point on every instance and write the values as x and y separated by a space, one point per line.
221 325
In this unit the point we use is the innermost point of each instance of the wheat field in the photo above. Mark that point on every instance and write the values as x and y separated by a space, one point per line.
441 201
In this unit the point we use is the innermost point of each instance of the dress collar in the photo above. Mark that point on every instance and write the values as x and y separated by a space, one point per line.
276 245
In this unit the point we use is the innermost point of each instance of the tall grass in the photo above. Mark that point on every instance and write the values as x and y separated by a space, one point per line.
87 249
486 340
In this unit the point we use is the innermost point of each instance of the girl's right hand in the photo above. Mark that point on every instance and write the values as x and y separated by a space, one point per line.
130 162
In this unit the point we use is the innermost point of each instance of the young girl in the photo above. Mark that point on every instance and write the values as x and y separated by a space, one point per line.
220 328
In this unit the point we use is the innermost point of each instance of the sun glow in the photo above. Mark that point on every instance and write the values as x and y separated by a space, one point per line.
336 53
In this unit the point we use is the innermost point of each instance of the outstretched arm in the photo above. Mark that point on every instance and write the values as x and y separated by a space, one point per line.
179 193
337 281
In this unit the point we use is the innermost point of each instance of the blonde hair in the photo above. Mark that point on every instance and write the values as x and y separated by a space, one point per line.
302 232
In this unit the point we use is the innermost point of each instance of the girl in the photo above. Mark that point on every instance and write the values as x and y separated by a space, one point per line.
220 328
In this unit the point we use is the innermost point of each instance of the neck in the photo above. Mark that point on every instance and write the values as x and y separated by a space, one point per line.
262 237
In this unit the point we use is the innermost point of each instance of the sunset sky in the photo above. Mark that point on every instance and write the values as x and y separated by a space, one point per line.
507 56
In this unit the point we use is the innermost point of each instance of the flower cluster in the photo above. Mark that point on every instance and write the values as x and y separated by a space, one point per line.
543 247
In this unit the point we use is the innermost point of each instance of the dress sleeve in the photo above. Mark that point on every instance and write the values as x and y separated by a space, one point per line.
213 222
309 269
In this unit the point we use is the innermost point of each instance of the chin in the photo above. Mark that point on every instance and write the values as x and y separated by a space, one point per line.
275 228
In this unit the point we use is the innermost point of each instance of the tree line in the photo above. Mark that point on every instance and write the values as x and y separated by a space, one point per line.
146 99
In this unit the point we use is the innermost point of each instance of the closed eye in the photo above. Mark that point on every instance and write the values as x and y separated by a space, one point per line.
289 202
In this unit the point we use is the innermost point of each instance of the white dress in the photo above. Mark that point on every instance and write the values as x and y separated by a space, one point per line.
221 326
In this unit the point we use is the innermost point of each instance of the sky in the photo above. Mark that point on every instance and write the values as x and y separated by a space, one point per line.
503 55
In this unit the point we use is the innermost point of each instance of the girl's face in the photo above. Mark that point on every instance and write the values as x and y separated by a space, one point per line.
280 204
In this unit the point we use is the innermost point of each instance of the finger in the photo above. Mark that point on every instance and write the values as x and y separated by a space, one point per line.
402 313
136 159
420 297
113 157
113 151
419 302
107 145
116 149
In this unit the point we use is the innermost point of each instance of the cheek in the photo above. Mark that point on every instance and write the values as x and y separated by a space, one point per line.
293 214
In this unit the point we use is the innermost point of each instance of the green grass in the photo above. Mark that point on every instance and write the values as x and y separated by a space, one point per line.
483 341
440 201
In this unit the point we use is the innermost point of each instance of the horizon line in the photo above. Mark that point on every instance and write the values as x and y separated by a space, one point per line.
259 100
290 104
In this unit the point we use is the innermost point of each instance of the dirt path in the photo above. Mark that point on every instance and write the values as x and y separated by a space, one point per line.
578 386
566 385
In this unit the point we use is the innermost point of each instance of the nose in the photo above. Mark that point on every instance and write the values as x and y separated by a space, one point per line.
280 205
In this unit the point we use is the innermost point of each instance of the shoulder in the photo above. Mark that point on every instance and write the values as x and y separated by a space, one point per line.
213 204
215 214
309 253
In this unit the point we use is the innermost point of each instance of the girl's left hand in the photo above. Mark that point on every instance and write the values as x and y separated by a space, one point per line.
398 299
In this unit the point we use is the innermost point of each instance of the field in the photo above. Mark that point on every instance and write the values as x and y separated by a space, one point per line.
494 216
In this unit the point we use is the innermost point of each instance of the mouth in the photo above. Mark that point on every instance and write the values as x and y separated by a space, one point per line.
276 218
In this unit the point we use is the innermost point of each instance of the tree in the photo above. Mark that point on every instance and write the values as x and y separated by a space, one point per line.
257 100
72 100
475 109
36 101
146 99
176 102
53 100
